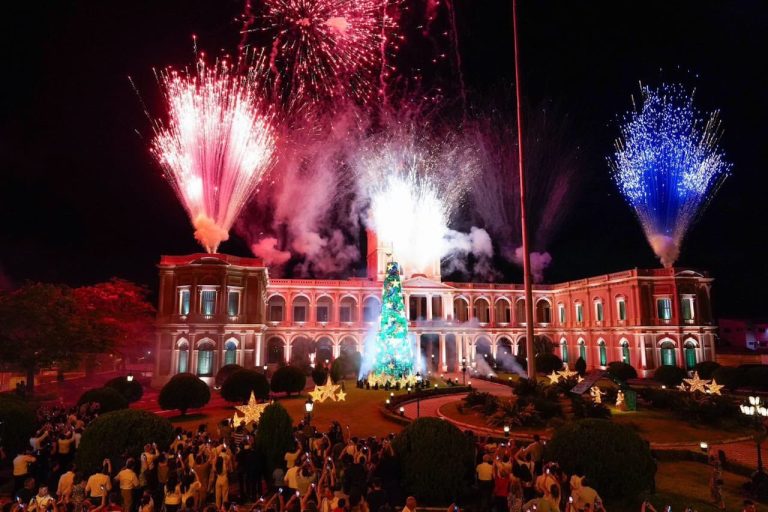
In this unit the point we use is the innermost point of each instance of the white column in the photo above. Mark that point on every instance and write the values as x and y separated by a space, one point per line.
257 349
443 362
288 349
643 362
336 349
429 306
459 349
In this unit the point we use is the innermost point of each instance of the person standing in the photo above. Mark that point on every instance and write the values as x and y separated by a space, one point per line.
99 484
128 483
66 481
21 469
484 474
410 504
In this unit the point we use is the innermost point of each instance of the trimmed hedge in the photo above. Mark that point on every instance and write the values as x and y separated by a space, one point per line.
183 392
118 432
706 369
288 379
131 390
614 458
669 375
240 384
730 377
548 363
319 376
224 373
622 371
435 459
17 424
108 398
580 366
275 435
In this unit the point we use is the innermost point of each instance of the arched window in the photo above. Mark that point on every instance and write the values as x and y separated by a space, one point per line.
230 352
348 345
276 309
599 312
520 311
324 350
625 351
564 350
579 311
348 310
503 349
583 350
482 347
482 311
690 354
300 309
323 309
371 309
275 351
503 311
561 313
621 308
205 358
543 312
667 349
603 352
460 310
183 348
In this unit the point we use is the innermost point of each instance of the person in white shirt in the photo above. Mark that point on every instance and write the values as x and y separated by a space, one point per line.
66 481
128 482
410 504
21 469
290 457
99 484
35 442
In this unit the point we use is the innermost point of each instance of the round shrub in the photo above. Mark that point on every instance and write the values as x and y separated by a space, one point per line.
580 366
730 377
183 392
668 375
548 363
622 371
17 420
131 390
319 376
127 431
616 461
706 369
435 458
240 384
109 399
224 372
288 379
275 435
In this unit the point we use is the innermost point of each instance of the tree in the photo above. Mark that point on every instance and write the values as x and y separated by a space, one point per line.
319 376
621 371
614 458
669 375
121 432
109 399
183 392
130 389
224 373
275 435
548 363
17 424
240 384
289 379
116 316
580 366
435 458
38 328
706 369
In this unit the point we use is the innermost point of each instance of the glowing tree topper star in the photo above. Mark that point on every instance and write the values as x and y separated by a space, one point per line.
216 145
667 164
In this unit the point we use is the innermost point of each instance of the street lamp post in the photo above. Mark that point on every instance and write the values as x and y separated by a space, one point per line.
418 401
464 369
758 411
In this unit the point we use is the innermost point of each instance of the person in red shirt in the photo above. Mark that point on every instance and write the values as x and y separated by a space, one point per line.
501 485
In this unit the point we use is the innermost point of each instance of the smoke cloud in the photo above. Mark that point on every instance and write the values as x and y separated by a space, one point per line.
666 248
539 262
475 246
208 233
267 250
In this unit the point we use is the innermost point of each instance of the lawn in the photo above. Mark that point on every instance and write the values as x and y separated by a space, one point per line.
686 484
360 411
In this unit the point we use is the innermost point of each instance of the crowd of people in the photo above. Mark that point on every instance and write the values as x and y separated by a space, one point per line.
330 471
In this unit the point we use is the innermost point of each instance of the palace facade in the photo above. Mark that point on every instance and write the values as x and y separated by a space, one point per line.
216 309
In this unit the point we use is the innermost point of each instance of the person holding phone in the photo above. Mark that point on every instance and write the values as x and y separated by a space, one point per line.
99 484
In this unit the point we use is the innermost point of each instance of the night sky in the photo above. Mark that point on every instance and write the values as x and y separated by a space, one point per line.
81 199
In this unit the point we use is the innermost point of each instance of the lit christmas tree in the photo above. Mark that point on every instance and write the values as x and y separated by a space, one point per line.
393 360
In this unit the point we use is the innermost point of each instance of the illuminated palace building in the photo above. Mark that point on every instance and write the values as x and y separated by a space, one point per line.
218 309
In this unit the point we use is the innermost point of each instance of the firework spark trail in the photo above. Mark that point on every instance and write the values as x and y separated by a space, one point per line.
551 179
324 50
668 165
216 145
415 184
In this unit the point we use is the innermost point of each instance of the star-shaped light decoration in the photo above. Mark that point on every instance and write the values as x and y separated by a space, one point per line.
341 396
322 393
252 411
682 387
554 377
696 384
714 388
567 374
